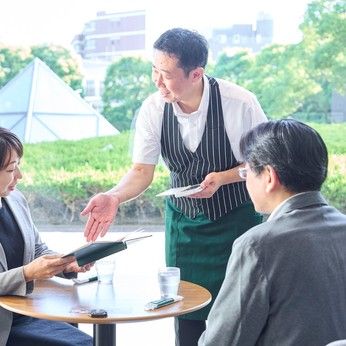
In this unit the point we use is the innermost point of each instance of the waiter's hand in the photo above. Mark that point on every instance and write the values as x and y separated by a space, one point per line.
210 185
102 209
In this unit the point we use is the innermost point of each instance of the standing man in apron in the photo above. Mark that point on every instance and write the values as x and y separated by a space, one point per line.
195 122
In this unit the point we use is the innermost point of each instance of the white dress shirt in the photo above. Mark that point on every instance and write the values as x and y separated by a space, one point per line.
241 112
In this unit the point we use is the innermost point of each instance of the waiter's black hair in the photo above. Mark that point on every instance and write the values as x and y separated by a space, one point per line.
8 142
188 46
295 151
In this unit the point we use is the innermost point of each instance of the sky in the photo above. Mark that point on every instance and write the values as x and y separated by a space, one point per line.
29 22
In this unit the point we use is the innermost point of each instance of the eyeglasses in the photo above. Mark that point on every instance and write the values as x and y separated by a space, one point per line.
242 171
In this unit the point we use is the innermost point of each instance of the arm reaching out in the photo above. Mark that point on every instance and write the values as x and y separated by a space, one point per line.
103 207
214 180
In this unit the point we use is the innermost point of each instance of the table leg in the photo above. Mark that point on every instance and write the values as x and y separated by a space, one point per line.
104 335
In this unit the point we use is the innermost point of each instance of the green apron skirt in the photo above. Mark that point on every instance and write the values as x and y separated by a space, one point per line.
201 247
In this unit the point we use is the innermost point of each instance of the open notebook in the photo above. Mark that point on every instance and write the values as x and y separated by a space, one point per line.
92 252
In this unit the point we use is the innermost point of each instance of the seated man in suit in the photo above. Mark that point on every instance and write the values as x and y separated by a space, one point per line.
25 258
286 278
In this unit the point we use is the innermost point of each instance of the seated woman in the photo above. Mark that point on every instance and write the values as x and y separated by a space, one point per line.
25 258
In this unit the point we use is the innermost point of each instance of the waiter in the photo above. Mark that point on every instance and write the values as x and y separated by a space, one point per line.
195 122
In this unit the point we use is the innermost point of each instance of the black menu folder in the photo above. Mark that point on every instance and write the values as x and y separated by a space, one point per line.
94 251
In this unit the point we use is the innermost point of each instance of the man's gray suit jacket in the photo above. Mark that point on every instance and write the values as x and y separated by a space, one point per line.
286 280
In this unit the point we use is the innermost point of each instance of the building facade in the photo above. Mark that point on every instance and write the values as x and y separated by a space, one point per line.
242 36
112 35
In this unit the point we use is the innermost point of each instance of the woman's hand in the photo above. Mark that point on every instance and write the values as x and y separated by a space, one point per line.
75 268
46 266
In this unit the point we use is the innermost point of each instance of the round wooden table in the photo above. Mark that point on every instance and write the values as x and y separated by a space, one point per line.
124 301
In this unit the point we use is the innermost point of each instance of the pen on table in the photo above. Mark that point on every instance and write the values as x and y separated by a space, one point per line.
83 281
155 304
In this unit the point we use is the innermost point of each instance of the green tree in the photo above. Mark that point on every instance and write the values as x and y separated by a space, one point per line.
280 81
324 29
233 68
12 60
60 60
324 55
127 84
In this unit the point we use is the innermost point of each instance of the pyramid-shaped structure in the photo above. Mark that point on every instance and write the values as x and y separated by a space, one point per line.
39 106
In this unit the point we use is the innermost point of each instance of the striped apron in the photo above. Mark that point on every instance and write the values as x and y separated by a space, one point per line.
200 232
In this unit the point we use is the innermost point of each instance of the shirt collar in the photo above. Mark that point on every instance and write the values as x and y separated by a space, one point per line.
203 106
278 207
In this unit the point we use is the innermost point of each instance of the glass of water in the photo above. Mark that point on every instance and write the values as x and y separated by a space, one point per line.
105 269
169 279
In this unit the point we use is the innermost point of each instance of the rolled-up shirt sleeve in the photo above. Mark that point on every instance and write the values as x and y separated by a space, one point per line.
241 308
147 138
